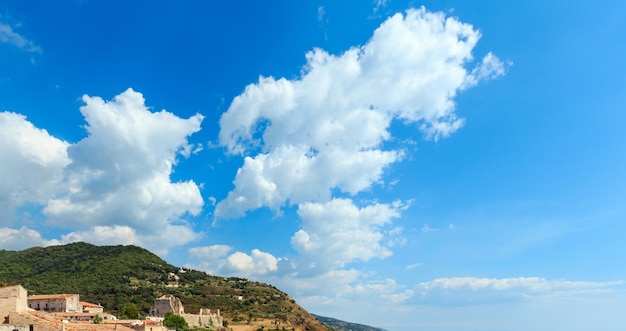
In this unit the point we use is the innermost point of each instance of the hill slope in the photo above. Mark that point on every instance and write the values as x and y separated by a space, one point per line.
116 275
345 326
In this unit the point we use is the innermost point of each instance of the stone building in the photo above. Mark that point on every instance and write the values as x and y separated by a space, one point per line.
89 307
207 318
167 304
55 303
12 299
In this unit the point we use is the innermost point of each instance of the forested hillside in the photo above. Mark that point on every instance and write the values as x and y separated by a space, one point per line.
115 276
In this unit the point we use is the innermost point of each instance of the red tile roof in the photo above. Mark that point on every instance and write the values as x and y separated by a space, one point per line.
89 304
50 296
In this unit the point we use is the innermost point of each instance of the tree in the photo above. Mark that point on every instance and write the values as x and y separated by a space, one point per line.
97 319
175 321
130 311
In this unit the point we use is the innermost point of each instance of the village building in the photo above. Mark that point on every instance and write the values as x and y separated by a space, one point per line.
55 303
16 315
64 312
89 307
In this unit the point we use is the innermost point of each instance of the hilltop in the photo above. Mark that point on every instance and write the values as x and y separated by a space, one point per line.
114 276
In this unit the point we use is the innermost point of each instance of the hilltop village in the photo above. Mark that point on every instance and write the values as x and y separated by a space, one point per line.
53 312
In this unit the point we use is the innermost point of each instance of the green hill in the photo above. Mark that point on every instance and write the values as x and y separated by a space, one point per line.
114 276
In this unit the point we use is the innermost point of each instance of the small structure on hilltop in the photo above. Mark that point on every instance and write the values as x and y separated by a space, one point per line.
207 318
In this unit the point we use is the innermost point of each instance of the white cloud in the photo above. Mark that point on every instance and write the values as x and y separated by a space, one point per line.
338 232
321 12
427 228
380 4
531 284
104 235
18 239
413 266
215 260
330 286
32 164
257 263
306 137
112 187
157 242
120 173
490 68
466 290
210 252
289 174
8 36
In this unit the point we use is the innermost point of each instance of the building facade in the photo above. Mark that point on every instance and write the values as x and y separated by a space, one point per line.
55 303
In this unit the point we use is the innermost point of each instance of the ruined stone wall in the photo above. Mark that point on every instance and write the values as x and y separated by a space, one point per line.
204 321
207 311
167 304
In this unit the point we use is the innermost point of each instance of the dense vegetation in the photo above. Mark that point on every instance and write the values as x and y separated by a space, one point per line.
120 277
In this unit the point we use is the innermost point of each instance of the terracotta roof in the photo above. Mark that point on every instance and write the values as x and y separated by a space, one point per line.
50 296
89 304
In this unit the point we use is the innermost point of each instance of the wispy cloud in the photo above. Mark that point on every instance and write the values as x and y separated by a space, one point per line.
413 266
321 12
471 290
8 36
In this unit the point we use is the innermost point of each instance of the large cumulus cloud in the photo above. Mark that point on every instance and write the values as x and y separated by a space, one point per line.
322 139
121 171
113 186
32 164
305 137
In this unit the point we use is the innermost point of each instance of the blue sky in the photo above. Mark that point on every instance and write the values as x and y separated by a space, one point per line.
443 165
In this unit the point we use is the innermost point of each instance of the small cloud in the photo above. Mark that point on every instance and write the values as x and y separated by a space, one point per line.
8 36
427 228
214 259
210 252
451 226
413 266
321 12
380 4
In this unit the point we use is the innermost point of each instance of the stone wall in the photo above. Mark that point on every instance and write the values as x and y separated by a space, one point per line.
203 321
167 304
